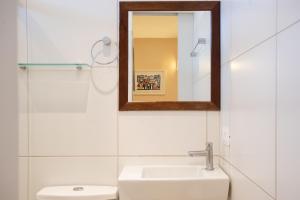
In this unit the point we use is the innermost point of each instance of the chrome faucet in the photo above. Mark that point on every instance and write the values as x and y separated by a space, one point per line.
208 153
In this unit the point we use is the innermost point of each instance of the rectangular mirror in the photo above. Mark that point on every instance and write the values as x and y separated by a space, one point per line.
169 56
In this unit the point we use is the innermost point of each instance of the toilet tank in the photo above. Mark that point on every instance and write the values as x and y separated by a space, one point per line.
77 192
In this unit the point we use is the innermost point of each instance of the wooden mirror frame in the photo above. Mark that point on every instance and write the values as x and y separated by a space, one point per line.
125 7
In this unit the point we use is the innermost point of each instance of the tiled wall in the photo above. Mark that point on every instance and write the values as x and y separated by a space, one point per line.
72 132
260 96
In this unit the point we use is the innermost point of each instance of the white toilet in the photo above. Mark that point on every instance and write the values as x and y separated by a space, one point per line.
78 192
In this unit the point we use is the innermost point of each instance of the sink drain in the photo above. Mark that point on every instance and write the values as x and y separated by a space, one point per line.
78 188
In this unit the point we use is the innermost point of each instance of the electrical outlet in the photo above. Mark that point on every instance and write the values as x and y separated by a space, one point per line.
225 137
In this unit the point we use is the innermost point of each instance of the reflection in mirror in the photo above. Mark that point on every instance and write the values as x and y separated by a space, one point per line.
169 56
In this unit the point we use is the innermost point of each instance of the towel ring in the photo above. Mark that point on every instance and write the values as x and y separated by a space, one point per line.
107 42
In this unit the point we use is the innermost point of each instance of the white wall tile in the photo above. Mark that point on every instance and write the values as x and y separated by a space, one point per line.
161 133
226 29
251 122
58 90
243 189
23 112
213 130
288 149
252 118
252 22
22 31
49 171
63 31
55 96
225 111
91 130
288 12
225 166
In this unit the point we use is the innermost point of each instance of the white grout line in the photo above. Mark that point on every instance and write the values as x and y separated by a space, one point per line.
28 130
289 26
110 156
250 179
276 99
259 43
249 49
276 119
28 160
27 30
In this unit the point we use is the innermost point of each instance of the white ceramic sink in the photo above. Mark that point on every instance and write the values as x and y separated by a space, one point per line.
172 182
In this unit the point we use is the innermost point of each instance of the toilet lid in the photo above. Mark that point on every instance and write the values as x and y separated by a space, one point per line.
86 192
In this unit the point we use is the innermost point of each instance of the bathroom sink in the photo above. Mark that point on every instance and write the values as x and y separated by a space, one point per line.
171 172
172 182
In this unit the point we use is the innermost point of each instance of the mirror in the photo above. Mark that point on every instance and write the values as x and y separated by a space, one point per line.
169 56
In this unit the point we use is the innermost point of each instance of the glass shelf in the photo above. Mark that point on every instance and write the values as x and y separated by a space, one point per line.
53 65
